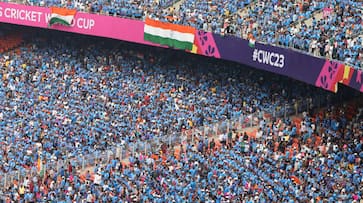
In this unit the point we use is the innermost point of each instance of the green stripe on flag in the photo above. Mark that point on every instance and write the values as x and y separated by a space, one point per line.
168 41
58 20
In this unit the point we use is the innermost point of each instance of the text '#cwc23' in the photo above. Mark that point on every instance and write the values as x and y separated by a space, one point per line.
268 58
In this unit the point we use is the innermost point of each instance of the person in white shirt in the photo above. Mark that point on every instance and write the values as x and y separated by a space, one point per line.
97 179
223 138
259 134
313 46
26 182
89 197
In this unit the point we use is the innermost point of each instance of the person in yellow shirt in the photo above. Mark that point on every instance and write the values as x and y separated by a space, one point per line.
190 123
21 191
213 90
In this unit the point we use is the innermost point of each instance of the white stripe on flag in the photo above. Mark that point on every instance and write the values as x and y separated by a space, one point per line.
68 18
166 33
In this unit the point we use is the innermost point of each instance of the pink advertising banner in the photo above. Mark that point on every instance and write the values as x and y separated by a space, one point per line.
84 23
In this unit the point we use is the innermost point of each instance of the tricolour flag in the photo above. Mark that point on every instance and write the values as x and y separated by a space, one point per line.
40 167
251 42
39 164
171 35
61 16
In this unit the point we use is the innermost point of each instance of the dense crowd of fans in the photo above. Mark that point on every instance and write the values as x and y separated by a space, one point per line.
77 98
101 96
295 24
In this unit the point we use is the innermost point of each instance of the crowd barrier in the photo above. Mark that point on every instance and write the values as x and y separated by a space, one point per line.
323 73
84 162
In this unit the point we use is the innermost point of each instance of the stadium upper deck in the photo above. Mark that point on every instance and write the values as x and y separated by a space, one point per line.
330 29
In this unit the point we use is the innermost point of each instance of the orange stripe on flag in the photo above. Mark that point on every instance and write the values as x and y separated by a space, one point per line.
63 11
170 26
39 165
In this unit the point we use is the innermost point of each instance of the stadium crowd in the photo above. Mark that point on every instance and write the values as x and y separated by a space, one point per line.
63 94
101 96
302 25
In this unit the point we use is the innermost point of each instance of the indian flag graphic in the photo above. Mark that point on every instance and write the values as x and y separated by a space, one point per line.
251 42
40 167
61 16
171 35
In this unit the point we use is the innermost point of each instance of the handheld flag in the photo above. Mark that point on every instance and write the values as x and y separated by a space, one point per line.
62 16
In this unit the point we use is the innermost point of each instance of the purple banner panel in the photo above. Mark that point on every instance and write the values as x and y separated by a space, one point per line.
269 58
